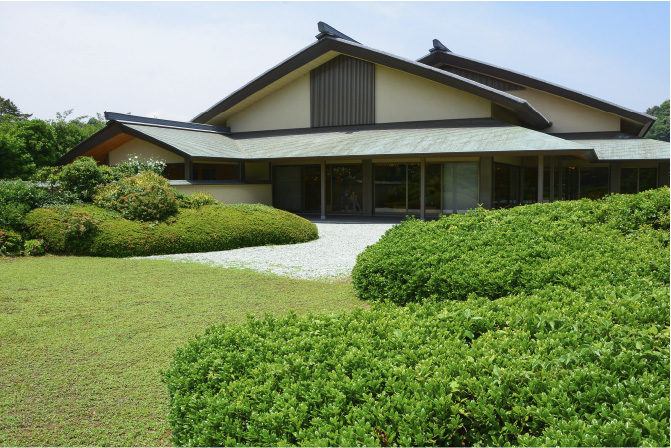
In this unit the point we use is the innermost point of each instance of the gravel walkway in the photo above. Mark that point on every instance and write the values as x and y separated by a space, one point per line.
331 256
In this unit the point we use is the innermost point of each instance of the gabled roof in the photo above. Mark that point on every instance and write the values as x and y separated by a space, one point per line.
121 128
329 44
438 57
473 137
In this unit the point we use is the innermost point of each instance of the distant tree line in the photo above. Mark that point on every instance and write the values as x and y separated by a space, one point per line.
28 144
660 128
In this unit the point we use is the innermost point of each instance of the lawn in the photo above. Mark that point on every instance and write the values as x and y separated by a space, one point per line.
84 339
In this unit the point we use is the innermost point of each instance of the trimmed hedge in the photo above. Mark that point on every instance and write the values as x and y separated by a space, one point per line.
209 228
576 356
554 368
501 252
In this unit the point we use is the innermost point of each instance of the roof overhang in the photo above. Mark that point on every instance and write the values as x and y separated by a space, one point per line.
617 146
437 58
329 47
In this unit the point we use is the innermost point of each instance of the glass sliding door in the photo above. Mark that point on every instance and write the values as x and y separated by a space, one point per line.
434 188
593 182
397 188
634 180
506 185
460 187
287 183
344 189
390 188
297 188
414 188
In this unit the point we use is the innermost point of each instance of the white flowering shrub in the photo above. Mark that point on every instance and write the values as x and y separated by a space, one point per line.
135 165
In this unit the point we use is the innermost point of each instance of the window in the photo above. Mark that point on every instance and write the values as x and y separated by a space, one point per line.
215 171
634 180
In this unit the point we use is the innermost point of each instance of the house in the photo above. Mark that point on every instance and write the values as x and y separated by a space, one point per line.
342 128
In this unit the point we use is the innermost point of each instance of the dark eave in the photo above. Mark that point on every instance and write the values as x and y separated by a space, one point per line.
524 110
136 119
436 58
111 130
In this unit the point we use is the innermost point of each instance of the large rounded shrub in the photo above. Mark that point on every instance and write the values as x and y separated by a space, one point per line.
555 368
501 252
209 228
144 197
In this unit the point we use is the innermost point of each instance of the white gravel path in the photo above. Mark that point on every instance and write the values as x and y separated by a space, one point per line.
331 256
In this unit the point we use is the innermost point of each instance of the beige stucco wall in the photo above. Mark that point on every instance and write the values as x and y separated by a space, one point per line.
400 96
144 150
234 194
286 108
568 116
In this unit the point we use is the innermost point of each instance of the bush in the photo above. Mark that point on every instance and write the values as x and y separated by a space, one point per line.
35 247
554 368
17 198
201 198
502 252
79 228
210 228
80 178
11 242
144 197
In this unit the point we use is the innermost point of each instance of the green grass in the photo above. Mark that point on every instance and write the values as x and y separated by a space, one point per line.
83 340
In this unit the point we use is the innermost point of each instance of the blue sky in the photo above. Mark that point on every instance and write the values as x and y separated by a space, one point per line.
173 60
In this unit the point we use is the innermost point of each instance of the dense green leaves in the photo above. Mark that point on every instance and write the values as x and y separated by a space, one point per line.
660 128
26 145
497 253
208 228
572 357
558 367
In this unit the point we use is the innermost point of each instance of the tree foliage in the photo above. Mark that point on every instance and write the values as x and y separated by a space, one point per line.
660 128
26 145
9 111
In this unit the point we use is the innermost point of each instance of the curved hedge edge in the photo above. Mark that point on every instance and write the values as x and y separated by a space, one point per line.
501 252
205 229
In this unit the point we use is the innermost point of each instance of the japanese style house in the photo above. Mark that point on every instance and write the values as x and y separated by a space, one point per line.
342 128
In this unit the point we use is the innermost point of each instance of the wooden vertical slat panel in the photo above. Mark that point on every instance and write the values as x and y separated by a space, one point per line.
342 93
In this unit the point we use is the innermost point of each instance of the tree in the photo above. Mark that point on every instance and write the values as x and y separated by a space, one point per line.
70 133
660 128
9 111
26 146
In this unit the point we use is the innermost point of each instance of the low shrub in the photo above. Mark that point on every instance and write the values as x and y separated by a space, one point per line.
11 243
17 198
502 252
200 198
558 367
143 197
79 228
210 228
80 178
35 247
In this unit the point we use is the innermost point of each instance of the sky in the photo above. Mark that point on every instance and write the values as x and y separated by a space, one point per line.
173 60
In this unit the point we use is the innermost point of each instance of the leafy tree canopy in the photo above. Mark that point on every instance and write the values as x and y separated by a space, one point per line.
28 145
9 111
660 128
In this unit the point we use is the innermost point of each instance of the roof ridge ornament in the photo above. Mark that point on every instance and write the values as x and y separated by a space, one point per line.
438 46
326 30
